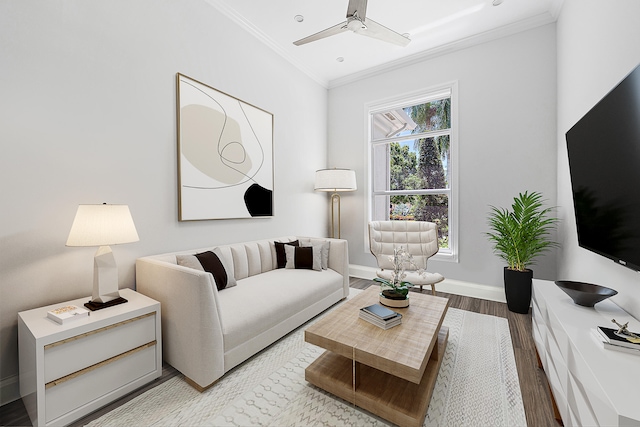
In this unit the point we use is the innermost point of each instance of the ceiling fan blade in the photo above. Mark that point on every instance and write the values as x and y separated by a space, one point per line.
331 31
380 32
359 6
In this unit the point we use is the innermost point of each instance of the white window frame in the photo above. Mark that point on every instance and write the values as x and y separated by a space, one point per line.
415 98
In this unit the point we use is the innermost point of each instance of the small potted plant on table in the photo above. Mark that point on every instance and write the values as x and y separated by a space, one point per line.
519 236
395 291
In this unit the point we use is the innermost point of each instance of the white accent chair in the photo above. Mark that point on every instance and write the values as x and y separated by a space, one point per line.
419 238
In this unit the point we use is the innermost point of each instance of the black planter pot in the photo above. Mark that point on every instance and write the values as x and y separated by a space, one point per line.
517 288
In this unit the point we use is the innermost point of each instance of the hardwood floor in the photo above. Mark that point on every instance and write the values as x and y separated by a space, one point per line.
533 383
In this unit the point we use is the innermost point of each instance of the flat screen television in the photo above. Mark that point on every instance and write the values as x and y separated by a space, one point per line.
604 163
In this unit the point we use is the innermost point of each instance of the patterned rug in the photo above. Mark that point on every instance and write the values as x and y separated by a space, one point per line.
477 386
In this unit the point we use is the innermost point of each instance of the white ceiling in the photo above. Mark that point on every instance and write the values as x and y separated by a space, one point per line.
434 26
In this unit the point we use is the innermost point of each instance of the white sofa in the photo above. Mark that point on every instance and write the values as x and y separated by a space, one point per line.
207 332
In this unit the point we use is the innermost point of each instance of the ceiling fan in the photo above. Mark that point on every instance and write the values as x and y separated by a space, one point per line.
359 24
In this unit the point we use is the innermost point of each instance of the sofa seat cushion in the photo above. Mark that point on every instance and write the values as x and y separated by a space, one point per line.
260 302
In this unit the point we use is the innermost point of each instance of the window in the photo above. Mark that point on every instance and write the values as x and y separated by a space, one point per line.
412 163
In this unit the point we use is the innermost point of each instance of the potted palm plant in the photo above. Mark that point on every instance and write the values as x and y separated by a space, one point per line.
518 236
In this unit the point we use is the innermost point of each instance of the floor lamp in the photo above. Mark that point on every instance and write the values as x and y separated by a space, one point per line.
334 181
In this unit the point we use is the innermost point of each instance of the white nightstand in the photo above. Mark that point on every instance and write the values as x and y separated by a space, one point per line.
70 370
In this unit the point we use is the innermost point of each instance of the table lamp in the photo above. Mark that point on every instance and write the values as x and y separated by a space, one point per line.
335 180
103 225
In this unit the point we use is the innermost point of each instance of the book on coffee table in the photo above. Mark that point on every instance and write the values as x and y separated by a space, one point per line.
379 311
384 324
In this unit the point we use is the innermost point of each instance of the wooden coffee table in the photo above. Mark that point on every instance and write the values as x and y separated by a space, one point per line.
390 373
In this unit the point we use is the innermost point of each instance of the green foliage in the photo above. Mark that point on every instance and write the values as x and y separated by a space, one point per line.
403 168
434 115
401 288
520 235
422 168
430 166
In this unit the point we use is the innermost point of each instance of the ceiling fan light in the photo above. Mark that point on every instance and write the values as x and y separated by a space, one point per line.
356 25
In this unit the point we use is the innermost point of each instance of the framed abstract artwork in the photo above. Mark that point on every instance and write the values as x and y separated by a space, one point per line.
225 155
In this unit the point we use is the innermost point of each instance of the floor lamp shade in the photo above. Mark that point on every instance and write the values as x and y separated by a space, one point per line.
335 180
103 225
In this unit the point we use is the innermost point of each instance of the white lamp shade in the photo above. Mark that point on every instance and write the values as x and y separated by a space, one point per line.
102 225
335 180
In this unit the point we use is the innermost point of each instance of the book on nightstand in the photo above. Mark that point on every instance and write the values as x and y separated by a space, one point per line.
67 313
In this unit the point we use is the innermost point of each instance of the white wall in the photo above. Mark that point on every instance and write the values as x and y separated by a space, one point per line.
507 140
87 115
597 47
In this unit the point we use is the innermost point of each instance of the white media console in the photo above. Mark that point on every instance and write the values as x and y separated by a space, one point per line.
591 385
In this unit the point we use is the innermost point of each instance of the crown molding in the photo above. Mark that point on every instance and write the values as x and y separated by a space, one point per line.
487 36
494 34
232 14
556 7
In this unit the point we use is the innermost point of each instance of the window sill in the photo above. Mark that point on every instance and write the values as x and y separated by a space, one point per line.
445 257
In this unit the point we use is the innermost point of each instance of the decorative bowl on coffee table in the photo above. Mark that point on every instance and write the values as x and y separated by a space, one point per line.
585 294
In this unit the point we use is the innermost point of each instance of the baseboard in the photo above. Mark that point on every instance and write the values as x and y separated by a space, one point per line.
450 286
9 389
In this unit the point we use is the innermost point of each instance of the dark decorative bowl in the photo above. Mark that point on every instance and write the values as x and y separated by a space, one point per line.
585 294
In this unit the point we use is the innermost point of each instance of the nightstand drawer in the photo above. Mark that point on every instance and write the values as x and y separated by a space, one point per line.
65 357
79 389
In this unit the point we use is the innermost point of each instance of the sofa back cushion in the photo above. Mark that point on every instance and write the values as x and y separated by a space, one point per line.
244 259
251 258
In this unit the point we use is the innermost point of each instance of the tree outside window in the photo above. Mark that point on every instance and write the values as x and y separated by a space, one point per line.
411 162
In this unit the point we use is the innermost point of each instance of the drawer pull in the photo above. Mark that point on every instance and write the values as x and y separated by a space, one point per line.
98 365
97 331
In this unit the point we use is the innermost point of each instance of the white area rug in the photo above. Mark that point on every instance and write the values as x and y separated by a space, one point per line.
477 386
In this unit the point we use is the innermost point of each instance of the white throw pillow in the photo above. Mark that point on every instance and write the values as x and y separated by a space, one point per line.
324 246
189 261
